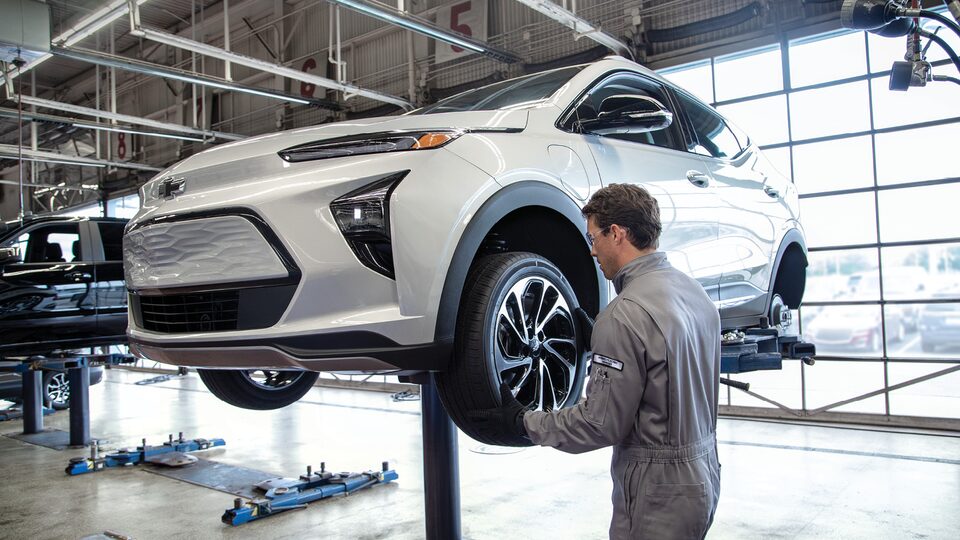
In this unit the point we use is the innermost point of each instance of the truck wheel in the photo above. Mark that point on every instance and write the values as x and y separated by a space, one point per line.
258 389
56 390
516 325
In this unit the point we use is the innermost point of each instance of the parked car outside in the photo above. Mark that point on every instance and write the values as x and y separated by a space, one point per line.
940 323
853 328
450 239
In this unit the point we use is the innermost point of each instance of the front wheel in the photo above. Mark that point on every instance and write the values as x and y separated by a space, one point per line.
258 389
516 325
56 390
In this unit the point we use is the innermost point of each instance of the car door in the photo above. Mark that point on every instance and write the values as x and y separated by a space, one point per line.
751 210
46 295
110 291
659 162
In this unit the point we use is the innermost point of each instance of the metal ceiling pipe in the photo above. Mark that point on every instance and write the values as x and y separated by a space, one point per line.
427 28
12 151
154 70
263 65
136 120
581 27
80 31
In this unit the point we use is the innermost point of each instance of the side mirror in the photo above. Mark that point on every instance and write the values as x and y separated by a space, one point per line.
628 114
9 255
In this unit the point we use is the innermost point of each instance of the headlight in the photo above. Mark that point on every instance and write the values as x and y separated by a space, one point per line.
363 216
373 143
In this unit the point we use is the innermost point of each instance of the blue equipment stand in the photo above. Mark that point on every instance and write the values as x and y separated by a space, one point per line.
78 375
441 466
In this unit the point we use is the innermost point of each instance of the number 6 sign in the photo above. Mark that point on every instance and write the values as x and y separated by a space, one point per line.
468 18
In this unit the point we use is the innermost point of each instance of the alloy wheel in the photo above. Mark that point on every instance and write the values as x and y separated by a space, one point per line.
58 389
535 349
269 379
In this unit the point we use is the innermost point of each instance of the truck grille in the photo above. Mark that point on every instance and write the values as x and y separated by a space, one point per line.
193 312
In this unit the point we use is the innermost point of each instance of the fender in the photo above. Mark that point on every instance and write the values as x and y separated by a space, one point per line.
513 197
792 236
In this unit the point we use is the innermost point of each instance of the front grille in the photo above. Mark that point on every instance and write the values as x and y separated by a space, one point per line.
193 312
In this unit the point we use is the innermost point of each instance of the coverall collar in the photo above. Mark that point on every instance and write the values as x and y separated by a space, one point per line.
638 267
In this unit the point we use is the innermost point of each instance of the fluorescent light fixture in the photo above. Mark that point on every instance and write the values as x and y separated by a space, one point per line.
580 26
263 65
154 70
125 118
60 162
84 28
422 26
119 129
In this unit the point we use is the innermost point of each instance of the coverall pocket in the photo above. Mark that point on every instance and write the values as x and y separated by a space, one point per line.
597 397
673 511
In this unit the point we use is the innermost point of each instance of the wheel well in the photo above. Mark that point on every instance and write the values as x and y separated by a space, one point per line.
548 234
791 275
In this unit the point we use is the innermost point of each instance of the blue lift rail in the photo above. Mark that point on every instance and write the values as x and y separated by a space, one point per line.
282 494
142 454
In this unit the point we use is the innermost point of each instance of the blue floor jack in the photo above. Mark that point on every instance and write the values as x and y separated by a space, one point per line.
282 494
173 449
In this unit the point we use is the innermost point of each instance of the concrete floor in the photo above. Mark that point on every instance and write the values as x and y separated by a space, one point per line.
779 480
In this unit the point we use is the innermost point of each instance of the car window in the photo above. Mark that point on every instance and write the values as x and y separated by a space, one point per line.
525 90
111 234
58 242
626 84
714 136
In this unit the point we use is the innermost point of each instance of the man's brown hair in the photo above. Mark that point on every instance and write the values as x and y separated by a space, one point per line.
630 207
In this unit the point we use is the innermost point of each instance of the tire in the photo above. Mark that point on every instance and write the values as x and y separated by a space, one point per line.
544 369
56 390
256 389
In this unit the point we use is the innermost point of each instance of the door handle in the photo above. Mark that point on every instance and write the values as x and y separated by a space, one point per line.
771 191
79 276
698 179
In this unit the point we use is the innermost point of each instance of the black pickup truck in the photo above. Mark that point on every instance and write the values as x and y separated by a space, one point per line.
61 288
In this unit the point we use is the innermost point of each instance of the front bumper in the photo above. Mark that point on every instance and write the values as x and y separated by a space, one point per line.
343 351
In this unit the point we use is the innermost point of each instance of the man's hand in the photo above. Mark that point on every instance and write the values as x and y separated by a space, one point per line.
509 414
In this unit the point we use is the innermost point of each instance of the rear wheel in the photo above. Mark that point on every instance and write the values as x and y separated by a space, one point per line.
56 390
516 326
258 389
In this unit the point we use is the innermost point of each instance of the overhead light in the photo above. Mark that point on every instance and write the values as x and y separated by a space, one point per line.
58 161
146 68
422 26
263 65
136 132
579 25
125 118
84 28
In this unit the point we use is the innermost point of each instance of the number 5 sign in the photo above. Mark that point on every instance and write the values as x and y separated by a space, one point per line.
468 18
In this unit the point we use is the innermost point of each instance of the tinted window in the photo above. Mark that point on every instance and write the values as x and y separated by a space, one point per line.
714 136
626 84
514 92
111 234
48 243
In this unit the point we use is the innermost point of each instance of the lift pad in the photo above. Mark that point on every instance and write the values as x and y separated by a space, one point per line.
282 494
761 349
142 454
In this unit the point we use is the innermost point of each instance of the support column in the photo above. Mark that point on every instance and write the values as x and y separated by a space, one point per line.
32 402
441 467
79 379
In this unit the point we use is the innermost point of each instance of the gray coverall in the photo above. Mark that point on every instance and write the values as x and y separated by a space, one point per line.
653 396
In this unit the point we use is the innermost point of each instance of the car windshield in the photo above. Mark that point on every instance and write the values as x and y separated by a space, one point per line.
526 90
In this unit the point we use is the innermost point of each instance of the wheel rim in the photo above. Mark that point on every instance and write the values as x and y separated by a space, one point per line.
58 390
535 348
270 379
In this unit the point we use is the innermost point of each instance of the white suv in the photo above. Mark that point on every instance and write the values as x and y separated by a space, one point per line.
448 239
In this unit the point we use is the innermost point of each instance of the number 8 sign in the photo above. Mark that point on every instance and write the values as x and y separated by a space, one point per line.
468 18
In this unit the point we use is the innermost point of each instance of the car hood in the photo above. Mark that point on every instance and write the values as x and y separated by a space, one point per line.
265 145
